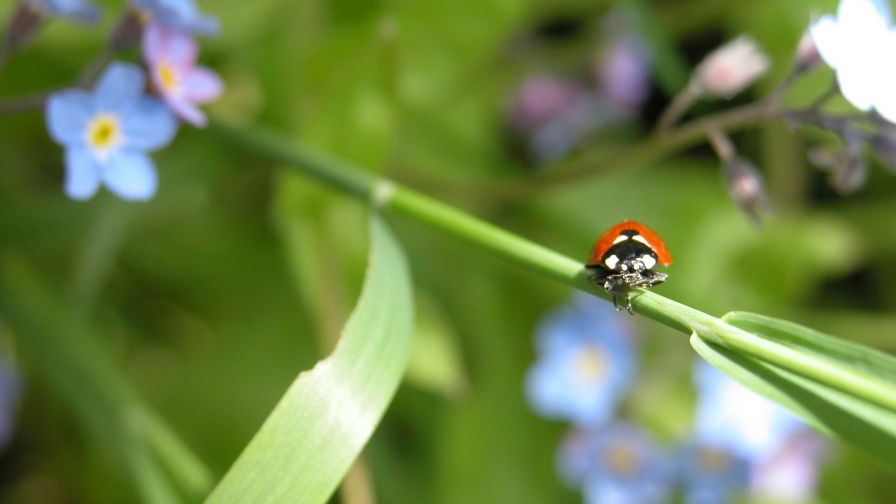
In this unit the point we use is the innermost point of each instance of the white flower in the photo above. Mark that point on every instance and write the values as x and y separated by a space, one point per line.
731 68
856 44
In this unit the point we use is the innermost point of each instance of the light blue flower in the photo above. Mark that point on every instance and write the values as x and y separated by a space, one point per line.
82 10
617 464
10 394
107 133
731 415
712 474
180 15
585 363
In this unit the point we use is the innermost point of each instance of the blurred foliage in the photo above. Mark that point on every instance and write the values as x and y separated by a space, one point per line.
212 297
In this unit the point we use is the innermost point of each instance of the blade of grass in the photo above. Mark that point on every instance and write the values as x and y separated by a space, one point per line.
309 441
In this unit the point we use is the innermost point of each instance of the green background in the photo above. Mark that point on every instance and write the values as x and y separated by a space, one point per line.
212 297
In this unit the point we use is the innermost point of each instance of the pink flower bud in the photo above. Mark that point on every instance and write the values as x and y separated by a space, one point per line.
807 56
731 68
746 187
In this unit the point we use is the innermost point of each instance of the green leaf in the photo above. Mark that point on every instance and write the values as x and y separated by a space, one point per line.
864 424
309 441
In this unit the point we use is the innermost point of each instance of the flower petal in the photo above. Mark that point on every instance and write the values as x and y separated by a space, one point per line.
863 15
131 175
67 115
204 25
202 85
82 174
120 86
857 86
825 34
148 126
186 110
163 44
153 43
81 10
885 99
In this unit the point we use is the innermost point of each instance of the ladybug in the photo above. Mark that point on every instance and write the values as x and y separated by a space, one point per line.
624 257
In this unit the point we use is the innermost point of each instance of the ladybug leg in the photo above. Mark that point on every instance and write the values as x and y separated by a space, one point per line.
617 287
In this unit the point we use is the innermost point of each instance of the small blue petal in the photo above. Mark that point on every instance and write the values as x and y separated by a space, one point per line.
181 15
119 88
130 175
585 363
10 395
82 174
67 115
149 125
622 465
82 10
712 474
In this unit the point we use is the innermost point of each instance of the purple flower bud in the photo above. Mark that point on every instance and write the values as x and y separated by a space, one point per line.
10 394
541 98
552 116
846 167
746 187
624 73
884 146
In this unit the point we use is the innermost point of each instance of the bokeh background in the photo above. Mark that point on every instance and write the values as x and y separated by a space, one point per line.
213 296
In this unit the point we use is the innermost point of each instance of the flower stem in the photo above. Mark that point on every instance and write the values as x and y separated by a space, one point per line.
592 162
385 194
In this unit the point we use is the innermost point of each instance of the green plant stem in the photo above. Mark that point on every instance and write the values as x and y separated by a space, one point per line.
597 160
386 194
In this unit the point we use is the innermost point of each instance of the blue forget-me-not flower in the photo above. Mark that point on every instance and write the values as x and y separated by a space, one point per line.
81 10
585 362
107 134
615 464
712 474
180 15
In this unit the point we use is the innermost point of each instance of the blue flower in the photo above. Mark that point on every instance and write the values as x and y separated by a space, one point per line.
585 363
179 15
731 415
10 393
712 474
82 10
107 133
617 464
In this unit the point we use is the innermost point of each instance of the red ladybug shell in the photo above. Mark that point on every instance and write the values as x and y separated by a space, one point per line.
606 241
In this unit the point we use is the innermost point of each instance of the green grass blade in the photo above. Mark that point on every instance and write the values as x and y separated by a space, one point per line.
860 423
309 441
859 358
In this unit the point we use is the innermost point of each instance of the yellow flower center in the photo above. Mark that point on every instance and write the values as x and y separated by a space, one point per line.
715 461
590 364
621 460
103 132
168 76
